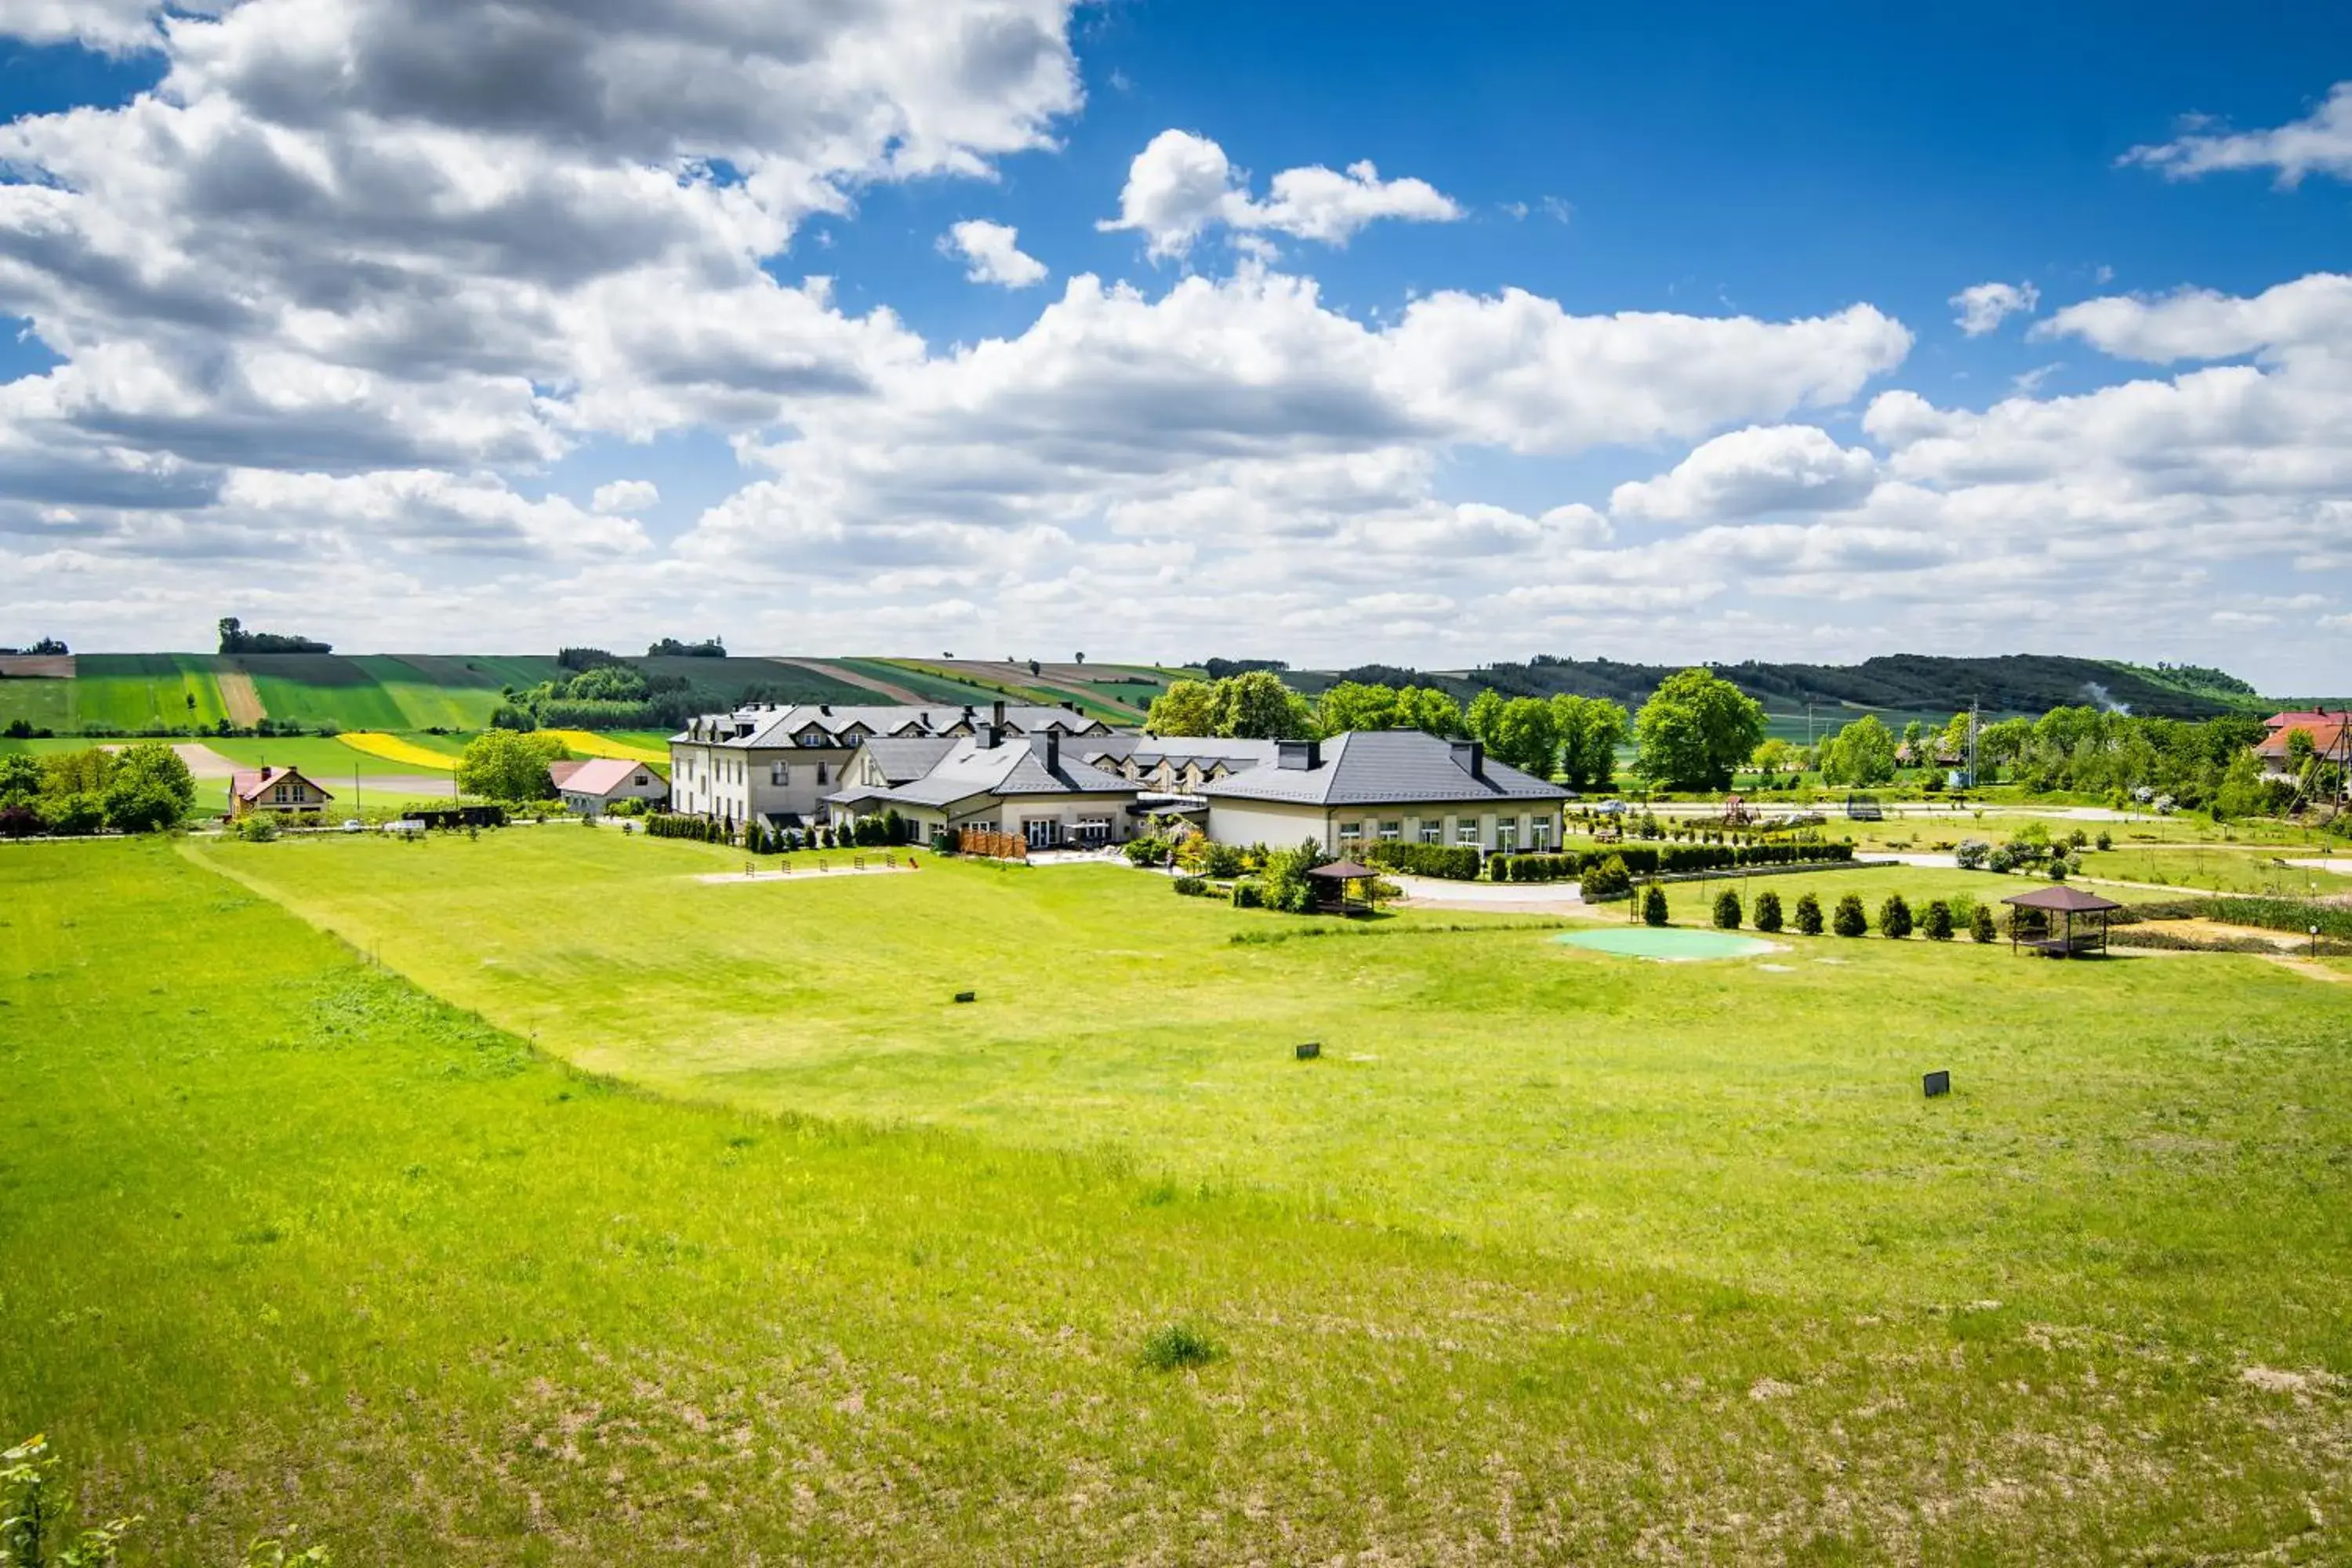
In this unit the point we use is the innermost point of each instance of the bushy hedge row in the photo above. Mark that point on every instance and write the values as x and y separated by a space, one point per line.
1456 862
1654 859
2294 915
702 829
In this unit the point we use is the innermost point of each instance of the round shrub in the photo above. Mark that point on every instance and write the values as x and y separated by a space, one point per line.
1809 915
1768 911
1850 920
1609 880
2106 840
1653 905
1895 918
1726 911
1189 887
1220 861
1938 922
1248 896
1980 926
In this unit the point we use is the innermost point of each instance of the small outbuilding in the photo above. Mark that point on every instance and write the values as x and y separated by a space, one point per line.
1332 882
2070 923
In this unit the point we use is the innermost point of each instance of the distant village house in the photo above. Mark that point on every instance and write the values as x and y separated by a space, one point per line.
590 788
282 790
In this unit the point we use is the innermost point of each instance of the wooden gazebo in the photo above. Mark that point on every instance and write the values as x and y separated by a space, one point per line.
1331 888
2080 918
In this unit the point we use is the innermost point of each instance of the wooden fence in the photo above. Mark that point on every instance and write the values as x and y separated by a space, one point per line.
992 845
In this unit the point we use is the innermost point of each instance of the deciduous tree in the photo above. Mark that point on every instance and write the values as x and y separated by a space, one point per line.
502 765
1695 729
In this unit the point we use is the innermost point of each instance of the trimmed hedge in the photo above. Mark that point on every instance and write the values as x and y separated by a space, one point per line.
1663 860
1455 862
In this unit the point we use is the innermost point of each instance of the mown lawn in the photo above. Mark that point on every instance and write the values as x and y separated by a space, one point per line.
1758 1124
2225 870
287 1243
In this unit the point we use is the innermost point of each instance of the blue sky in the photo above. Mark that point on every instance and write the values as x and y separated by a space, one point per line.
1640 342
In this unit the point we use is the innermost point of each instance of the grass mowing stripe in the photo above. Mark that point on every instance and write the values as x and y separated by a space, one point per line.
378 1273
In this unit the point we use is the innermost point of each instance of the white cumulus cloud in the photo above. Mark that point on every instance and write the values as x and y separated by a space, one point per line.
1181 185
1763 468
2320 143
992 253
1984 306
620 497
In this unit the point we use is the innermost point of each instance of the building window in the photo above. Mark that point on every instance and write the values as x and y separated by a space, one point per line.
1466 832
780 772
1539 840
1392 831
1350 832
820 776
1507 835
1432 831
279 795
813 738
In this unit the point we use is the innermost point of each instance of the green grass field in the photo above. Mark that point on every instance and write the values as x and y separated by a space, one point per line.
289 1244
312 688
434 694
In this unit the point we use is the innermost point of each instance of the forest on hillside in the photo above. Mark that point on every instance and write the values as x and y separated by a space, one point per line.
2010 683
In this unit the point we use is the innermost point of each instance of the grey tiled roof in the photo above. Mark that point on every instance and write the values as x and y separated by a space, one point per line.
902 759
971 767
1377 767
777 726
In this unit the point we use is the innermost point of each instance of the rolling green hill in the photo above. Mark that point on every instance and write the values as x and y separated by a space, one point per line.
457 692
1895 686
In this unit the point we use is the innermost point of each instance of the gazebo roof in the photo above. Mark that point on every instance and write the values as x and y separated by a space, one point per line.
1343 872
2061 901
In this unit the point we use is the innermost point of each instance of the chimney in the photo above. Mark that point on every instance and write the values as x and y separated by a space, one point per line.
1470 756
825 708
992 736
1298 756
1053 750
998 713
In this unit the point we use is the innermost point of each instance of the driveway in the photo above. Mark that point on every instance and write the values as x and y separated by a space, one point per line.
1492 898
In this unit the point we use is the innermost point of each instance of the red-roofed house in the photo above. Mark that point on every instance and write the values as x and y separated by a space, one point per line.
591 787
274 789
2327 739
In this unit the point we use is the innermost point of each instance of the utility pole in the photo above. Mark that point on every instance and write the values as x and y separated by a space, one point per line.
1973 781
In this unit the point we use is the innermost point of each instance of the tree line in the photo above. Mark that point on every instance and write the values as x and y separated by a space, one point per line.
235 638
145 788
1693 733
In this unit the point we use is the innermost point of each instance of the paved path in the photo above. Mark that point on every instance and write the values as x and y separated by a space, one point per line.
204 763
2339 866
859 678
1495 897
